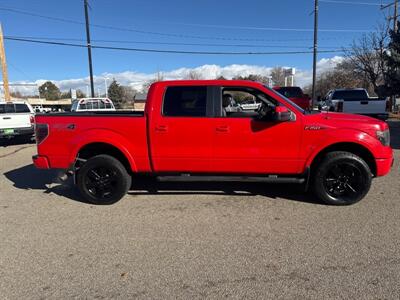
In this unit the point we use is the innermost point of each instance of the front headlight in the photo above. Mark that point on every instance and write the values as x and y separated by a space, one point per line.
383 137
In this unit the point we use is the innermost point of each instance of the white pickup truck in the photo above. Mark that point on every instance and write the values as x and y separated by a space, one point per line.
357 101
16 119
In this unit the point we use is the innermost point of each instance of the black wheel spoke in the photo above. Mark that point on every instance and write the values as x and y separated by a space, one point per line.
351 188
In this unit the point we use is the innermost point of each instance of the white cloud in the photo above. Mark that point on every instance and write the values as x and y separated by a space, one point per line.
137 79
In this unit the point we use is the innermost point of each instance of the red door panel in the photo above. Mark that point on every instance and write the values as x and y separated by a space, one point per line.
244 145
181 144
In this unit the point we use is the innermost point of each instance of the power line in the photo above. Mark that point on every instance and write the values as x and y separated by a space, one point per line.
169 51
351 2
109 27
168 43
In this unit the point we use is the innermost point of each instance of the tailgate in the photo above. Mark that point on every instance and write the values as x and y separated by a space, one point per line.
377 106
13 121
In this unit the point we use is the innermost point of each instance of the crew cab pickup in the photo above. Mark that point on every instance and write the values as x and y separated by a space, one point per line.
186 133
357 101
16 119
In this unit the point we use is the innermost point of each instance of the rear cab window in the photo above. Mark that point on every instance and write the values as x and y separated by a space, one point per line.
185 101
350 95
7 108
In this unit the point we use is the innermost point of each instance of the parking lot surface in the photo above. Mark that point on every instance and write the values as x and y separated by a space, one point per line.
194 240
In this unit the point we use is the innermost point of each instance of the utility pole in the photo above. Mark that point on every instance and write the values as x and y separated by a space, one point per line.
315 54
395 14
4 67
89 46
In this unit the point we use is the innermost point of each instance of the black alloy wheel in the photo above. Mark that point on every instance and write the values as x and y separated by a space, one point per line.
103 180
342 178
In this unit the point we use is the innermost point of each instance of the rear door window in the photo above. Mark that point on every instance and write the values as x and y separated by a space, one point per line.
185 101
22 108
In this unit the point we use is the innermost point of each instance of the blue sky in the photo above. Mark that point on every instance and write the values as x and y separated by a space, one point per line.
206 18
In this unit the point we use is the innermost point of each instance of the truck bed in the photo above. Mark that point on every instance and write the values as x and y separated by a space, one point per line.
69 133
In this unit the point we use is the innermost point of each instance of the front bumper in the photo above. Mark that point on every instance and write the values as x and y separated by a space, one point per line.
41 162
383 166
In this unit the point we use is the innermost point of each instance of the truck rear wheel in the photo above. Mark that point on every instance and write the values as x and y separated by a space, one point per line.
103 180
342 178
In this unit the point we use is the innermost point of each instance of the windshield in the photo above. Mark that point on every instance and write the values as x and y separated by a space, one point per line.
287 100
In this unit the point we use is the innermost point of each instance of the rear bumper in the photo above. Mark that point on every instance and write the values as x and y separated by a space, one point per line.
383 166
41 162
17 132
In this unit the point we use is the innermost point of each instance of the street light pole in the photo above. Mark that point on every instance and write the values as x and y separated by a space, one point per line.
315 51
89 46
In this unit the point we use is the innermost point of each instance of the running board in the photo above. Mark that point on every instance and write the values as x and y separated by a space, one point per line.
200 178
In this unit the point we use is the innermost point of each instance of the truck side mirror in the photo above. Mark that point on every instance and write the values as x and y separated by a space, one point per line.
282 114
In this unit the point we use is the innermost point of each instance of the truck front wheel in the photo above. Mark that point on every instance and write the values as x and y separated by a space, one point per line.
341 178
103 180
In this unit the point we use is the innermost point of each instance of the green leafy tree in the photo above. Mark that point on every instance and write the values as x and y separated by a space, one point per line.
49 91
117 94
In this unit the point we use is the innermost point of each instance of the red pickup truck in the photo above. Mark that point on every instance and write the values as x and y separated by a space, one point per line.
295 94
188 131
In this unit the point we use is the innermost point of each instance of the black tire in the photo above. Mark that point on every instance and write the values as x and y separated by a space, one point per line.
103 180
341 178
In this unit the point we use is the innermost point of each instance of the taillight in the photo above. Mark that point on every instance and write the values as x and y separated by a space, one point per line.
340 106
32 120
41 132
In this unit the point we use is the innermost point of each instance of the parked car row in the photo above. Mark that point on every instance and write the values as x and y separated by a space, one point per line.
17 117
354 101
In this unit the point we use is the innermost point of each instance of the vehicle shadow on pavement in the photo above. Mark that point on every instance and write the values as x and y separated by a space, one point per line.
30 178
16 141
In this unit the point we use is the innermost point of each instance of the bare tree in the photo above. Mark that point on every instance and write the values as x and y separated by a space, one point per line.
193 75
278 76
146 85
253 77
367 56
342 76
